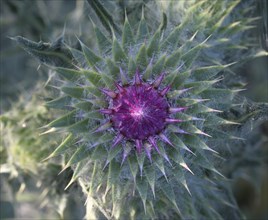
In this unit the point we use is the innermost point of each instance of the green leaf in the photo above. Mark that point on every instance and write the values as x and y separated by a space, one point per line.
92 76
59 103
113 173
133 165
127 38
177 158
149 71
113 68
142 187
153 47
160 165
190 128
76 92
80 154
105 138
199 86
65 120
105 17
169 193
77 172
196 143
96 177
172 39
177 142
223 16
96 115
55 54
189 57
173 60
214 120
132 67
91 57
65 145
142 29
86 106
104 43
201 109
69 74
78 56
140 160
141 59
207 72
93 91
220 95
179 177
202 161
112 153
108 80
117 51
79 127
99 153
176 79
150 176
159 65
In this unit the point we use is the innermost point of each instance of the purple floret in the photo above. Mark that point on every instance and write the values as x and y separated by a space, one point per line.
139 112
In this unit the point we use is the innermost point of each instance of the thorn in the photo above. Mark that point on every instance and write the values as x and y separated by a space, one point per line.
63 169
165 90
126 19
177 109
109 93
153 142
138 145
214 110
106 111
49 131
47 158
92 22
180 131
185 90
137 78
119 87
188 190
202 133
125 154
165 139
118 139
191 39
105 165
103 127
173 120
142 12
184 165
123 77
197 119
148 149
167 159
158 81
70 183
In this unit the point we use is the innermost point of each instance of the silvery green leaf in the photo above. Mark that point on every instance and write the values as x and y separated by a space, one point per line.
53 54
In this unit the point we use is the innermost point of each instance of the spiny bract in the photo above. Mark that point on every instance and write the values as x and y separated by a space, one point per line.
149 89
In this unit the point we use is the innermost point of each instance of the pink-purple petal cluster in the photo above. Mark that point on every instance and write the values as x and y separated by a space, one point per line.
140 112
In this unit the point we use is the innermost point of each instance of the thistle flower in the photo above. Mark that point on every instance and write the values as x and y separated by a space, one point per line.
149 91
139 113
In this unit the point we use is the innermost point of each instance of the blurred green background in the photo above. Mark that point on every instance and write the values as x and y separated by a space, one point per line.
21 78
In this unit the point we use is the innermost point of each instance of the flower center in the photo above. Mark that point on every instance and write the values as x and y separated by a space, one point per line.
139 112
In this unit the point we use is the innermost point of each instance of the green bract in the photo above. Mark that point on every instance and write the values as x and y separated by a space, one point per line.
182 180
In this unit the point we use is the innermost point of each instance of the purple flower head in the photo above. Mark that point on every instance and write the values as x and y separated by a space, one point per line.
140 112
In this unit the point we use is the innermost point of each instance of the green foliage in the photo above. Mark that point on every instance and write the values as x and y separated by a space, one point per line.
197 54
